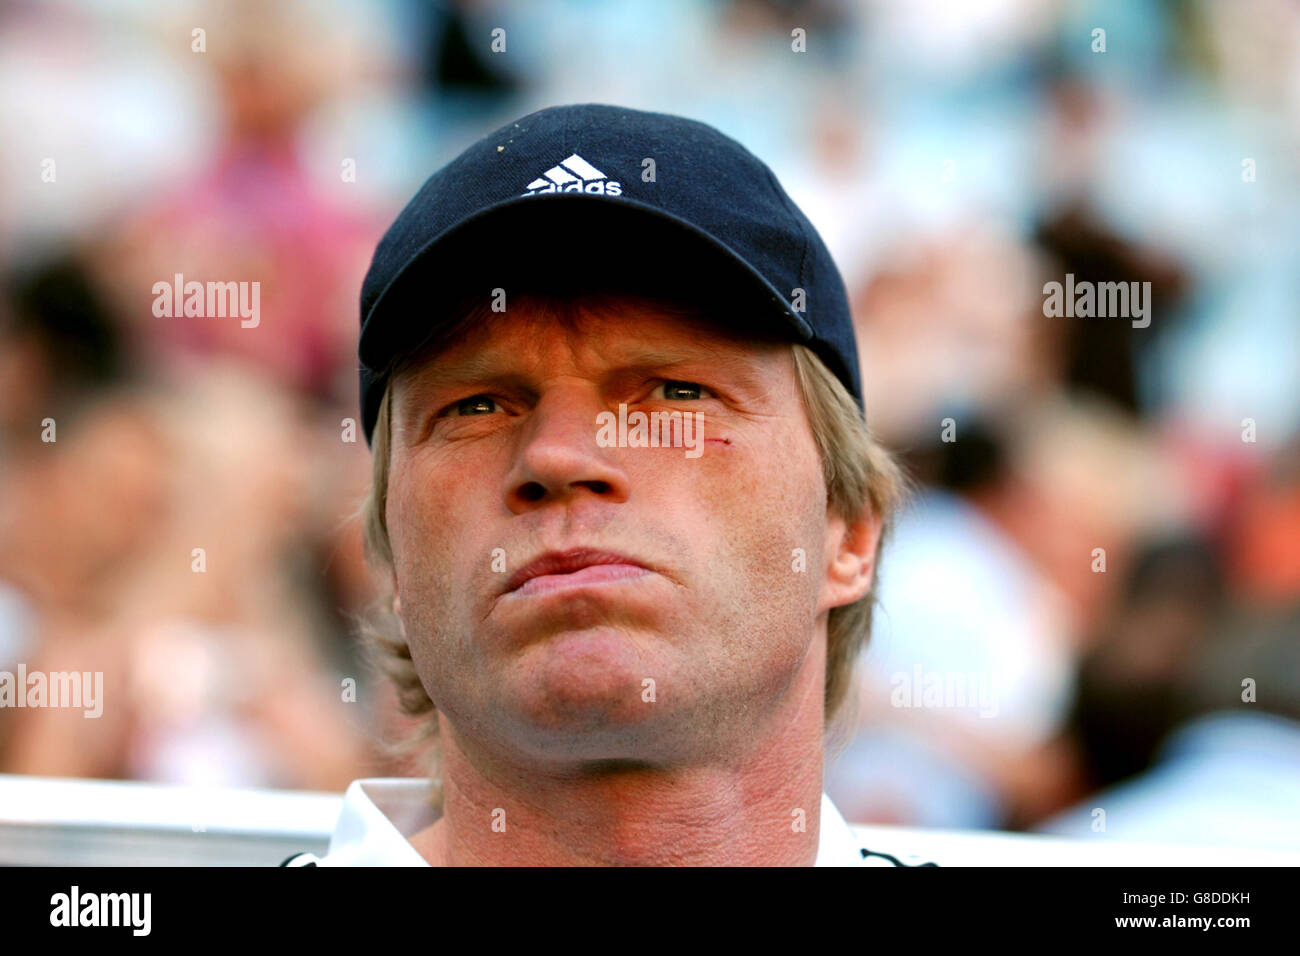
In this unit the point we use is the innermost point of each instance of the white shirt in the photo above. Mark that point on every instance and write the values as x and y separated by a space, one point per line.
379 814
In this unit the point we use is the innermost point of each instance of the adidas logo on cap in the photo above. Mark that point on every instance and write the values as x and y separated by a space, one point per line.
574 175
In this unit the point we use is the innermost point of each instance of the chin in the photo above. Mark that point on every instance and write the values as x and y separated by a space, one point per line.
586 680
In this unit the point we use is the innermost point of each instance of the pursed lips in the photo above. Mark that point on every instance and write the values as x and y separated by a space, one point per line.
560 569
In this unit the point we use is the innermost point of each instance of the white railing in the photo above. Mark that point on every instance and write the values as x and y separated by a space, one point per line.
57 821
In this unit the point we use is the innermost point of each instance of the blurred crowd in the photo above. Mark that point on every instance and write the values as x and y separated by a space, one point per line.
1098 572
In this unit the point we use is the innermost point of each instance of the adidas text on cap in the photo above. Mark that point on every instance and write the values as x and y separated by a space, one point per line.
606 197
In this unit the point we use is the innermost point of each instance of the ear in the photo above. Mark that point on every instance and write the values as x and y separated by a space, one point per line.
850 559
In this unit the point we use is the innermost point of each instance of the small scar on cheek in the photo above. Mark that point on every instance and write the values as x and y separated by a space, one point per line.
719 441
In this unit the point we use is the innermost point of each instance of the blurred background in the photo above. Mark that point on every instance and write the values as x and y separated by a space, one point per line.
1092 601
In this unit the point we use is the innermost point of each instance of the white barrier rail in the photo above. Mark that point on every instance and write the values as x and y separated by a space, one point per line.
59 821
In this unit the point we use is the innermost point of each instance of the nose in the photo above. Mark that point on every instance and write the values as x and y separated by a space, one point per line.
560 459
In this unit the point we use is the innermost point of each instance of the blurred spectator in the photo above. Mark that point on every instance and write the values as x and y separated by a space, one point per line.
1230 775
75 514
254 214
1264 548
153 542
1129 686
59 343
963 613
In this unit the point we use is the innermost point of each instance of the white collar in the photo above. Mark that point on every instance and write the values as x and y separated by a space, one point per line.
378 814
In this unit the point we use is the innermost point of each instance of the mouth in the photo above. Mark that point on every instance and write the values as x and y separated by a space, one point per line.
557 570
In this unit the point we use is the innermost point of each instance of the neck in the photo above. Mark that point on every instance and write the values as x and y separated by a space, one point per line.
763 809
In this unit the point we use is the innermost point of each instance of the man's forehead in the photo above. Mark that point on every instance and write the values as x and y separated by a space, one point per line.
624 331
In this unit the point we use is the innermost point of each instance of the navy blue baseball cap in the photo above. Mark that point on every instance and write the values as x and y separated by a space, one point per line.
608 198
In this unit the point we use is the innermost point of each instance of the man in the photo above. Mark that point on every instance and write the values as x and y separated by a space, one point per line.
627 502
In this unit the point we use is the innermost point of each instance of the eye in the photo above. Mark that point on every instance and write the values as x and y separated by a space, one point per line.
681 391
474 405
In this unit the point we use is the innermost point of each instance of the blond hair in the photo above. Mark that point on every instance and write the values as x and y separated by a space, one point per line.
860 478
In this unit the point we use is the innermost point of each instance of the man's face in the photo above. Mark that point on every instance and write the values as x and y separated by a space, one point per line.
495 446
